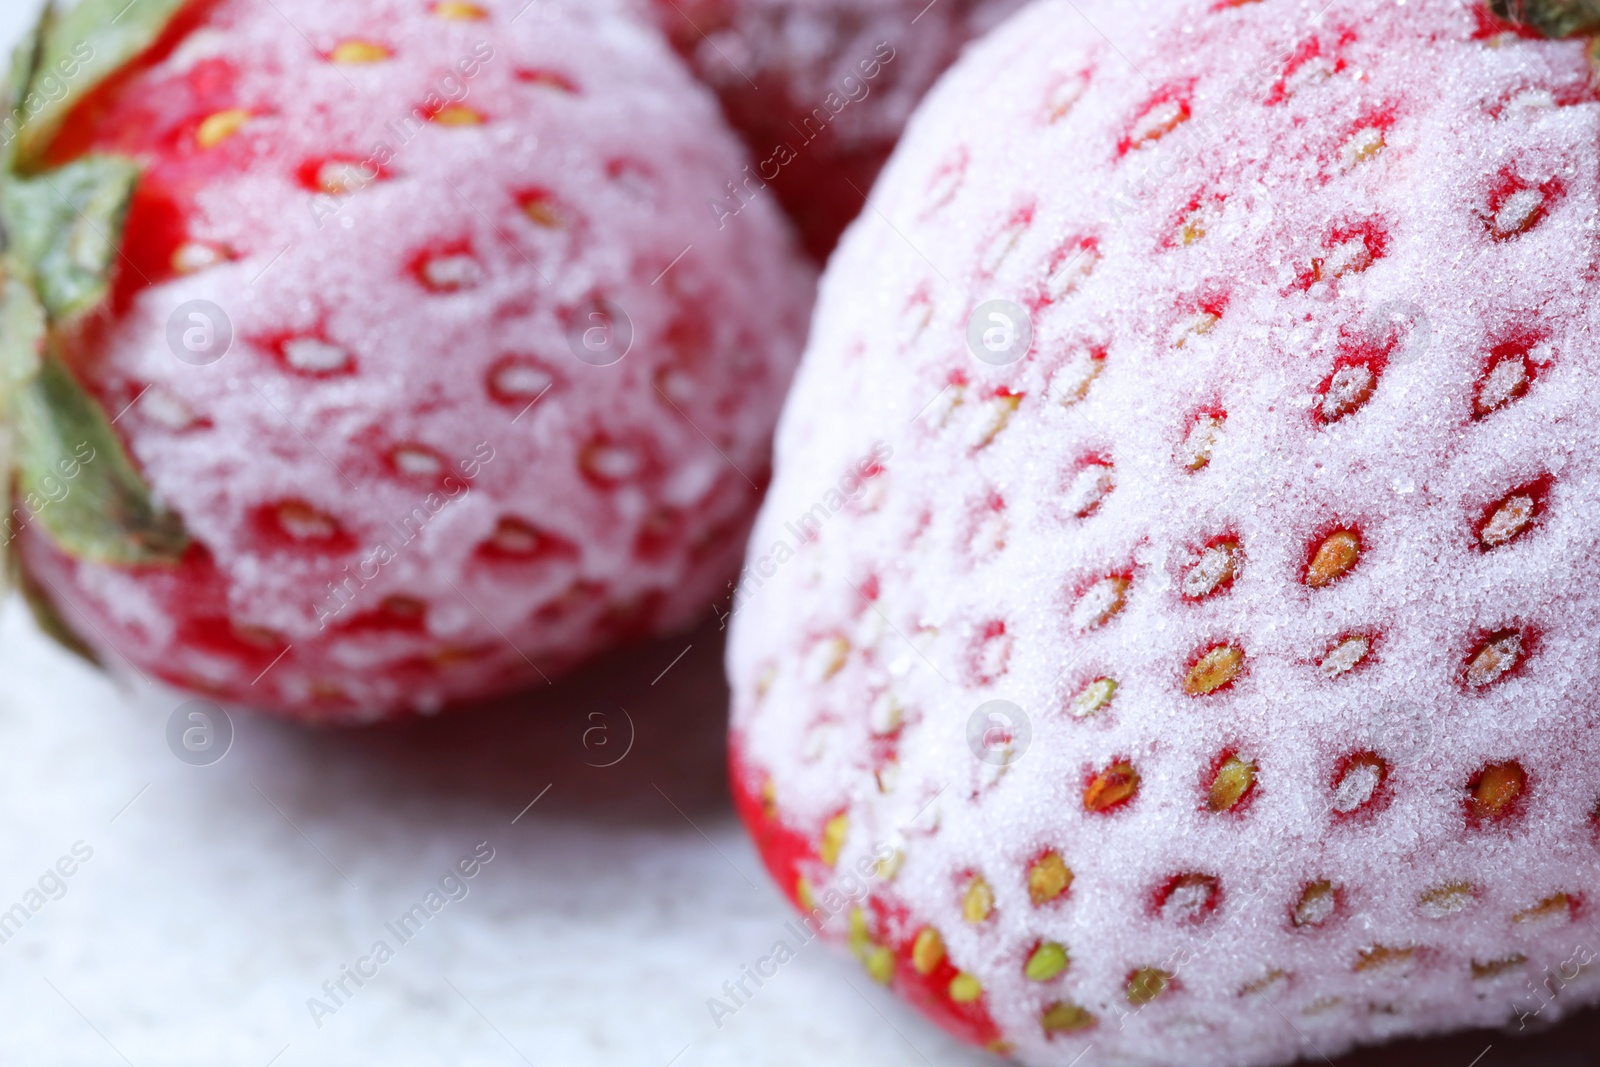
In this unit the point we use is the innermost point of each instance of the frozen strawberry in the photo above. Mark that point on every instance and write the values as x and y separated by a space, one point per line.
820 89
1172 626
373 357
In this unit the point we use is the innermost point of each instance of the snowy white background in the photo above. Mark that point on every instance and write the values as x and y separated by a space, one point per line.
218 899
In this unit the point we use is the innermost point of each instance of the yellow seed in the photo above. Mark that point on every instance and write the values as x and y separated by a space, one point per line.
1048 878
1214 670
1359 782
978 901
305 523
458 115
542 210
1071 384
1509 519
1519 213
859 939
1158 122
1193 228
1063 96
1265 982
1064 1017
1198 326
1494 658
1382 956
927 950
219 126
1496 789
1234 779
1146 984
1346 655
765 680
1547 908
1202 438
964 988
1445 899
1334 558
1101 603
880 965
1216 566
1093 697
327 690
1115 785
459 9
1317 904
454 657
357 53
833 835
769 798
826 659
994 418
803 894
259 636
1363 145
1352 257
1494 968
889 866
1047 961
193 256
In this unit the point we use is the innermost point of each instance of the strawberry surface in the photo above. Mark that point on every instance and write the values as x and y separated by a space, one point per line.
498 394
1212 680
820 89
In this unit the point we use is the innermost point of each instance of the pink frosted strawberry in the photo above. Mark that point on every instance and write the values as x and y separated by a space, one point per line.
372 357
1171 631
820 89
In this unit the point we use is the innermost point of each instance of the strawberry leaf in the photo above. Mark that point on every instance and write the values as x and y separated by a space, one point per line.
24 62
67 226
77 51
75 479
49 620
22 338
22 332
1553 18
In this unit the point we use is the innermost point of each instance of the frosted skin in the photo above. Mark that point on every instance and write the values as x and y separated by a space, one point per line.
1411 468
632 157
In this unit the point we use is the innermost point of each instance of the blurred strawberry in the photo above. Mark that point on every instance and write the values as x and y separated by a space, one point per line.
820 89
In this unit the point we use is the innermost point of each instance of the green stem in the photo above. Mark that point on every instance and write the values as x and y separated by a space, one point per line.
1552 18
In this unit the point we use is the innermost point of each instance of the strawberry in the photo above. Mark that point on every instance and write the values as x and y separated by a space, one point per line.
820 89
1172 595
367 359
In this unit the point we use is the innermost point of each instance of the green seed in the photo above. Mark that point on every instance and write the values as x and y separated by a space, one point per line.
965 988
1047 961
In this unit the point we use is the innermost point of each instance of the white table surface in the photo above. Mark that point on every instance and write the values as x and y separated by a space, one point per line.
219 898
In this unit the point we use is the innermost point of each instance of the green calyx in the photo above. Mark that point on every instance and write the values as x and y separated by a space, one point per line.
65 227
1552 18
91 500
65 58
62 234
